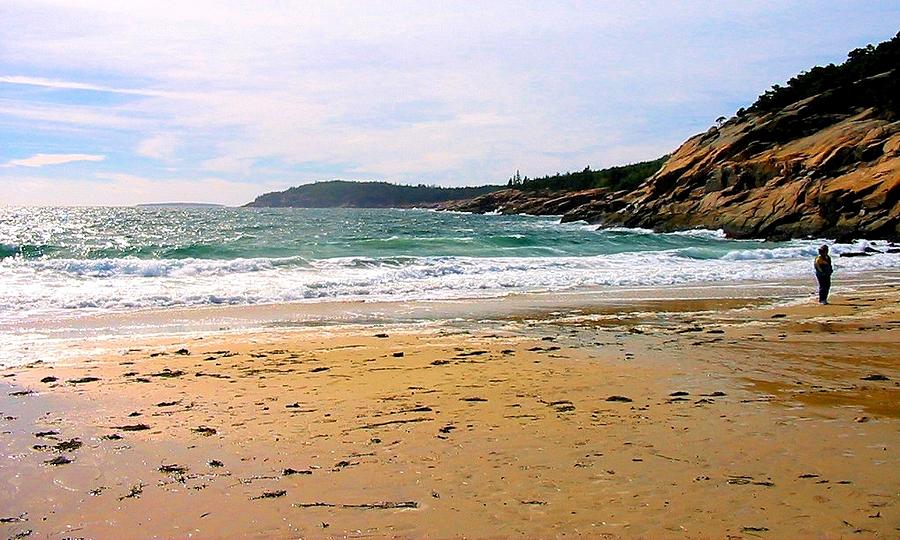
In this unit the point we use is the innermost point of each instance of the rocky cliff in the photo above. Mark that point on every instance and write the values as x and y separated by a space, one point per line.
825 165
805 170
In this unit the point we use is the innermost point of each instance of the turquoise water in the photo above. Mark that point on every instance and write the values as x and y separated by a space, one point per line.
69 260
227 233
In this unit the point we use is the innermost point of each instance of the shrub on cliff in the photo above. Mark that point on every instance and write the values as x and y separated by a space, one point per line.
615 178
861 63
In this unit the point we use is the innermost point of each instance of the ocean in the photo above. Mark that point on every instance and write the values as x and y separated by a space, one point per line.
58 262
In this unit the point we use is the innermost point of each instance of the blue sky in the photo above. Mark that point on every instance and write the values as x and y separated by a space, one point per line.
108 102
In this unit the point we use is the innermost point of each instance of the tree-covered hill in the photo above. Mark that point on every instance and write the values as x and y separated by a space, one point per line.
341 193
616 178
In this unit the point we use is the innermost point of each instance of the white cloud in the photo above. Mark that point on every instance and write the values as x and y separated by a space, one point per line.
41 160
459 93
119 189
70 85
161 147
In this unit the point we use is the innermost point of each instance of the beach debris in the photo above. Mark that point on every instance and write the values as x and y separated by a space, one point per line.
381 336
215 463
387 505
134 414
50 433
49 379
134 492
97 491
754 529
291 472
255 477
473 399
422 408
58 460
472 353
689 329
745 480
861 419
318 369
83 380
133 427
24 534
679 393
875 377
167 403
808 475
562 406
66 446
204 430
343 464
21 393
112 437
15 519
778 316
183 352
621 399
213 375
270 495
717 393
168 373
297 405
392 422
398 354
172 469
534 503
440 362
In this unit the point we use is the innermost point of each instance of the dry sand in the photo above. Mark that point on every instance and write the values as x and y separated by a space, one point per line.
662 420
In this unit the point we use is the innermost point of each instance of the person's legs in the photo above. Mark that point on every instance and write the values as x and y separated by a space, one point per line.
824 286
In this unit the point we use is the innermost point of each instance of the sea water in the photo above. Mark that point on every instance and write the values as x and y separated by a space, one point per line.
68 261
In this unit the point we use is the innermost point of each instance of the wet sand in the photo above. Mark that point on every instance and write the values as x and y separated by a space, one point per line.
660 419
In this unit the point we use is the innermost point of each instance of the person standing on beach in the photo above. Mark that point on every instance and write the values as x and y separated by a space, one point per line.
823 273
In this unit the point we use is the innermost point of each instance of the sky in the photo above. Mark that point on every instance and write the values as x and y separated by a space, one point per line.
119 103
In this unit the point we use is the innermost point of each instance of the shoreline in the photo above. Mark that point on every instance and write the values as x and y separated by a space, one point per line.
24 339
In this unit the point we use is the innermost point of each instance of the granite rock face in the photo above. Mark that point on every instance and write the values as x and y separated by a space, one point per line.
814 168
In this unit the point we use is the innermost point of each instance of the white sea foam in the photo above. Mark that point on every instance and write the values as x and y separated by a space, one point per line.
629 230
718 234
46 286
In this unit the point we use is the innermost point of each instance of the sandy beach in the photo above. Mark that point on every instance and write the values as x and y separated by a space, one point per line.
666 418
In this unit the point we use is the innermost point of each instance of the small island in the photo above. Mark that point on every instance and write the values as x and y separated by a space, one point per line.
180 205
